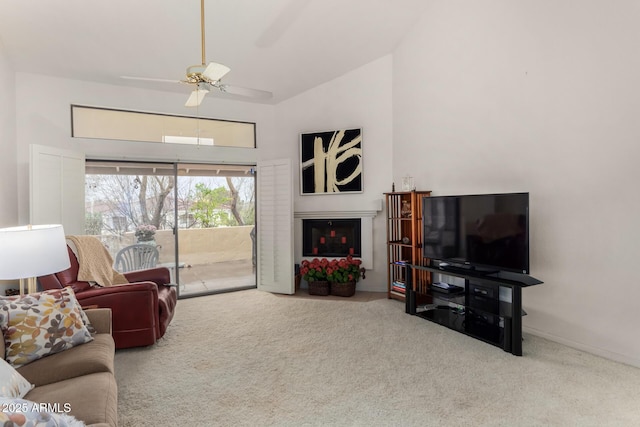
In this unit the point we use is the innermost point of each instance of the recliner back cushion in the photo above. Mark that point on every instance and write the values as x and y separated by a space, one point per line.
69 275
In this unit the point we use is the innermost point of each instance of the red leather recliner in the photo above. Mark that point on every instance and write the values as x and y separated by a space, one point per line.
141 309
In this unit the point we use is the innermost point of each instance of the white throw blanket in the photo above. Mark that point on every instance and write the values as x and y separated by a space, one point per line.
96 264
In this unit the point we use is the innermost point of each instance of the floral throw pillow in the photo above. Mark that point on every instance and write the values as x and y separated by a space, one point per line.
40 324
85 318
12 384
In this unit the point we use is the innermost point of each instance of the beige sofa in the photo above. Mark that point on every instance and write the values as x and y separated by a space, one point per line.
82 378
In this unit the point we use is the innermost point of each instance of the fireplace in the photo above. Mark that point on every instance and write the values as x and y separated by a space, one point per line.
365 213
331 237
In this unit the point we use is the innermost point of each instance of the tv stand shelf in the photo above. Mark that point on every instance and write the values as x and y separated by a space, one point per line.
489 308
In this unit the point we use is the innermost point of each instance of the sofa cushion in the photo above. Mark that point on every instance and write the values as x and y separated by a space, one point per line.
12 384
92 357
91 398
83 316
41 324
21 412
100 319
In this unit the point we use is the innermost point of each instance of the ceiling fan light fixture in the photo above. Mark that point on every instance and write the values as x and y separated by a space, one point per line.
206 74
195 71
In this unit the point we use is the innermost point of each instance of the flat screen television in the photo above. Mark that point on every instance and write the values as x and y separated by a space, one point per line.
484 231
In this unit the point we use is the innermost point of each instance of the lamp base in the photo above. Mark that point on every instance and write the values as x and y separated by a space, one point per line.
31 285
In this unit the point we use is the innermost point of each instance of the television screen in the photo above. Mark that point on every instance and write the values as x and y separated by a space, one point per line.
489 231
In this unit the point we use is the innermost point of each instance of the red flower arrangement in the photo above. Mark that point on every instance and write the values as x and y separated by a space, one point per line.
341 270
344 270
315 270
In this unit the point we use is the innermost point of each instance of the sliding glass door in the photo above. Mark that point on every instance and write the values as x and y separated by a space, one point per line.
200 218
216 228
129 203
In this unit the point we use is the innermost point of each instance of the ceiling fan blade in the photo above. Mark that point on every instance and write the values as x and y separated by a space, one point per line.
196 97
150 79
244 91
215 71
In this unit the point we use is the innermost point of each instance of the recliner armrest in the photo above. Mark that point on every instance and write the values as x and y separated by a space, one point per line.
97 291
134 306
157 275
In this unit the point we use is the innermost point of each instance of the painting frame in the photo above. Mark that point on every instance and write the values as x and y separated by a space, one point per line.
331 162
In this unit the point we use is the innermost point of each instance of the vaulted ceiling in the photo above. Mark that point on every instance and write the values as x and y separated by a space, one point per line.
281 46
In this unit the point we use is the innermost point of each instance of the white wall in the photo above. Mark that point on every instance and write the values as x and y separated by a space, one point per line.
8 171
8 174
359 99
44 117
538 96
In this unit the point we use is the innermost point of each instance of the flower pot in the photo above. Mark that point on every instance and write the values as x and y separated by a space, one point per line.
347 289
319 287
151 242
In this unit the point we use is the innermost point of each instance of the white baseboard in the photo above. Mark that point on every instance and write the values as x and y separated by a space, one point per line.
607 354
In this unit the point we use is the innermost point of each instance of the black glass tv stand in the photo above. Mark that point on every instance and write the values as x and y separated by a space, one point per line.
488 307
465 269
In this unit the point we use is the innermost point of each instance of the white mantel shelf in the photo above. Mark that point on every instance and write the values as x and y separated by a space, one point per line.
334 214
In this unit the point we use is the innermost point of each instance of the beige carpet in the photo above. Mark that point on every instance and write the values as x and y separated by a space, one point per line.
251 358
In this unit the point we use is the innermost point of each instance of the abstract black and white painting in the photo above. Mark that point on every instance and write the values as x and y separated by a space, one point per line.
331 162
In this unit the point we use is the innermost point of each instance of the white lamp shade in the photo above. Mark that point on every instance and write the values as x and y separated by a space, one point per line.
32 251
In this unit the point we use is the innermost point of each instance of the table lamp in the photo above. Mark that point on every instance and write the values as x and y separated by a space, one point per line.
27 252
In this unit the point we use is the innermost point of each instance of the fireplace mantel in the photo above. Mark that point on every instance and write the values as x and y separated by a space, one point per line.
334 214
366 229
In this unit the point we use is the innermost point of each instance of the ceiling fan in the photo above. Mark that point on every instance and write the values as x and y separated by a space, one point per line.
206 77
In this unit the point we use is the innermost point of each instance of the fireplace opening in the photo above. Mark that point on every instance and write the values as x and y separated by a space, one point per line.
331 237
